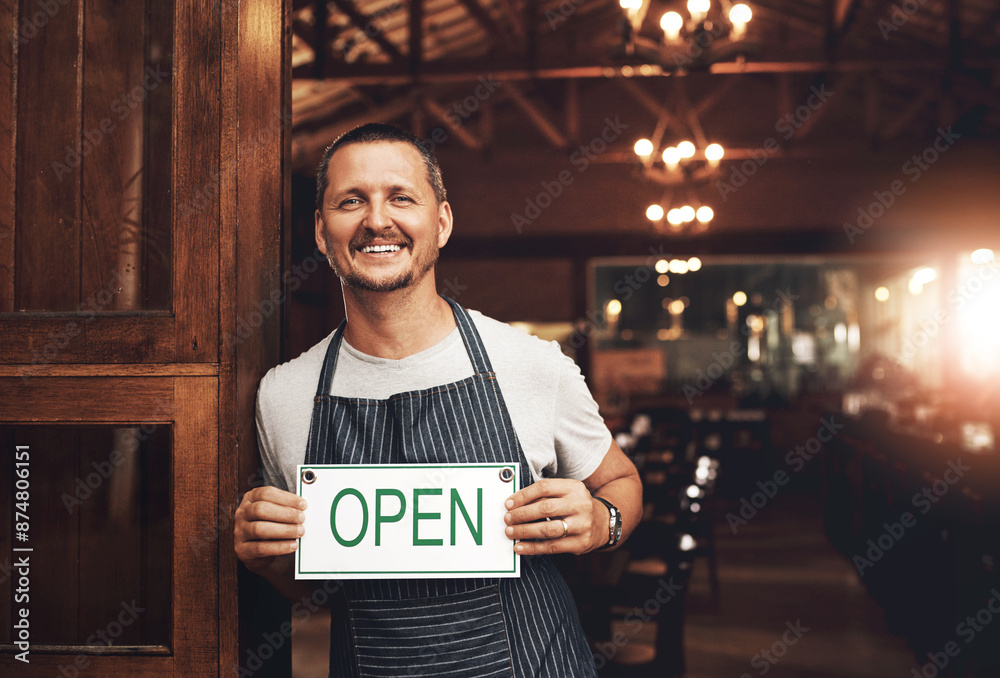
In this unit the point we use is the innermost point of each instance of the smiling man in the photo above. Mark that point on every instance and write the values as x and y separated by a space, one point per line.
412 377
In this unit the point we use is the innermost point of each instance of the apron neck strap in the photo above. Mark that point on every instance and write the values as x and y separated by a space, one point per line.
330 361
470 337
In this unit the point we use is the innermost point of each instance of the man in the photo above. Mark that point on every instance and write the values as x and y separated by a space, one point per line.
486 393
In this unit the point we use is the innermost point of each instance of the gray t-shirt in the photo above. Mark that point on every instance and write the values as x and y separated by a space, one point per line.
554 415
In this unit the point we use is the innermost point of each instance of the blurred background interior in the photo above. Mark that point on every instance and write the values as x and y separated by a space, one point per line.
768 233
745 223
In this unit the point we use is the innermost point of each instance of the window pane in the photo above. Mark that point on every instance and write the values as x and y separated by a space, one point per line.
93 225
97 502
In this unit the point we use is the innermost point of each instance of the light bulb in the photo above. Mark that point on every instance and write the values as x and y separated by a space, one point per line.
705 214
687 214
671 23
740 14
694 264
671 156
740 298
685 149
983 256
698 9
882 294
654 212
674 217
662 266
714 153
644 148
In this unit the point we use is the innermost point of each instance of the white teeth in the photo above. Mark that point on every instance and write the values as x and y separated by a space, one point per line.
370 249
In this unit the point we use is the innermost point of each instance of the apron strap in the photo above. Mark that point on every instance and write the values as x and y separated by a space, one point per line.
330 361
470 337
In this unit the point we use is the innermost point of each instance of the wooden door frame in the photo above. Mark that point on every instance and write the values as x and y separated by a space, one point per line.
255 209
231 138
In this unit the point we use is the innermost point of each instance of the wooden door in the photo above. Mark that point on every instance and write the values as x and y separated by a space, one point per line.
142 198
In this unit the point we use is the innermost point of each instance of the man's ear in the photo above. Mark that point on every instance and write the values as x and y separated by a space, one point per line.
445 220
320 233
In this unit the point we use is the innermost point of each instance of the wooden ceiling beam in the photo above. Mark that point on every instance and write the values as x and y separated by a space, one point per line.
484 19
685 109
929 93
806 127
540 119
361 21
308 145
455 126
470 71
665 119
416 36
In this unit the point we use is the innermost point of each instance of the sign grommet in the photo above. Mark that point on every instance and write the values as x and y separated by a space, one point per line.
308 476
506 474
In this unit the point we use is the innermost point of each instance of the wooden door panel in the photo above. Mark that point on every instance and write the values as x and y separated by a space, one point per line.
111 147
182 413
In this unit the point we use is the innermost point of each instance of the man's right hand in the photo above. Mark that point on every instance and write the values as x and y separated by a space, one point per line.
268 523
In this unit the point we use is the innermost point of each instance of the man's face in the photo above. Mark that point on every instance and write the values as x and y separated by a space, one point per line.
380 226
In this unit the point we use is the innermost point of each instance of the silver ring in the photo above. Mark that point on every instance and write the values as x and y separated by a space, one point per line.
565 528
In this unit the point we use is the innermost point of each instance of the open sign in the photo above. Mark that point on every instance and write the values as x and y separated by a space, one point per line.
406 521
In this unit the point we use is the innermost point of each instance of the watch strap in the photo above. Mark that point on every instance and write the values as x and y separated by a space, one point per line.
614 524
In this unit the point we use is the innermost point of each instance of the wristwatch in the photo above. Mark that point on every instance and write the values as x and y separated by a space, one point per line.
614 524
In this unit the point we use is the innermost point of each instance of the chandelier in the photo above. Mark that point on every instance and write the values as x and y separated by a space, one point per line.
677 168
711 33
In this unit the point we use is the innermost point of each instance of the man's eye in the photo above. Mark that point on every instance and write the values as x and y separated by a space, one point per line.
402 198
350 202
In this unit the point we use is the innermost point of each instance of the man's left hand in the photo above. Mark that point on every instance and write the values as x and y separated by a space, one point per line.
556 515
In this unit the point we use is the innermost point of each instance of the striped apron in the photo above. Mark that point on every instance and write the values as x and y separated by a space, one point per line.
520 627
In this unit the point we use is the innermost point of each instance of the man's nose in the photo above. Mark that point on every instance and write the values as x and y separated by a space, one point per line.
378 216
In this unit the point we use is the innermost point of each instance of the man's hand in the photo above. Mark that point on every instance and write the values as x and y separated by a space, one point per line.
567 504
267 524
562 499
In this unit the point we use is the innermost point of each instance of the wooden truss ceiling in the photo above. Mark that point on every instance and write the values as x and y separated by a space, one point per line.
353 61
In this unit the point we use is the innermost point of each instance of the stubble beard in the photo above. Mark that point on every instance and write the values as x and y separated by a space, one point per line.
355 280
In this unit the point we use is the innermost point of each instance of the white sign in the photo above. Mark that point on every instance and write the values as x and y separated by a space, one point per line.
405 521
